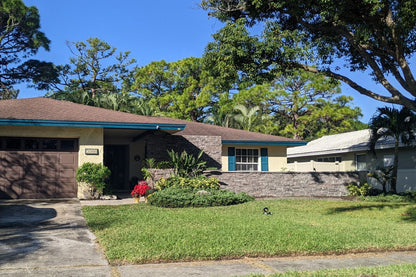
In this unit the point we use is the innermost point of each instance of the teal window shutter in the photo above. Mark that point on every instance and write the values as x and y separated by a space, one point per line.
264 159
231 159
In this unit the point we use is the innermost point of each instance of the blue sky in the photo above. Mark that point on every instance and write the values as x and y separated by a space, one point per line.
151 29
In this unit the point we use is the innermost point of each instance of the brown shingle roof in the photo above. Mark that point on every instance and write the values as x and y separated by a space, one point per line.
48 109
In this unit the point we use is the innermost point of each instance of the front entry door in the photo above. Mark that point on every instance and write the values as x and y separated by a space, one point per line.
116 158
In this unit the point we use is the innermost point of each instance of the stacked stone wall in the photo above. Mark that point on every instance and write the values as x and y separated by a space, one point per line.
158 145
288 184
282 184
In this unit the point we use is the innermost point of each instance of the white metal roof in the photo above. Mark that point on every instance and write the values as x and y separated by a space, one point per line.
340 143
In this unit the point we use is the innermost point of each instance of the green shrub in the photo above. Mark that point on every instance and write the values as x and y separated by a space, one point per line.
186 197
358 190
93 174
409 196
200 182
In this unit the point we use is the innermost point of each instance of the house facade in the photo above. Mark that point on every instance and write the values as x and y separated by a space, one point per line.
43 141
349 152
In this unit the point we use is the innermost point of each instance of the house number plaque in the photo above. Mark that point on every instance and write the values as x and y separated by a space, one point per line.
91 151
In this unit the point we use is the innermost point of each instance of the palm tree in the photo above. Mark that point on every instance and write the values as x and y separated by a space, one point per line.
398 124
247 119
220 118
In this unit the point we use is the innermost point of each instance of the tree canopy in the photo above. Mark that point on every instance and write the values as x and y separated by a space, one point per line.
21 38
300 104
368 35
95 69
183 89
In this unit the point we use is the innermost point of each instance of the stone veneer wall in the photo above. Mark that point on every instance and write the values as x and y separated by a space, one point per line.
288 184
282 184
157 174
211 145
157 146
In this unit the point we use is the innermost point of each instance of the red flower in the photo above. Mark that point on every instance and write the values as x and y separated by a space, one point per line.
140 189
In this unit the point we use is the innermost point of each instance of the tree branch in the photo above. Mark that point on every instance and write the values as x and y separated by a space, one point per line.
395 99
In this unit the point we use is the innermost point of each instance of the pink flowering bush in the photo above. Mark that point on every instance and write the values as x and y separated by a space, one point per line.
140 189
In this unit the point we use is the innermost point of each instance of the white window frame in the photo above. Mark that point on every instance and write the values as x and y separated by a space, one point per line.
239 163
336 159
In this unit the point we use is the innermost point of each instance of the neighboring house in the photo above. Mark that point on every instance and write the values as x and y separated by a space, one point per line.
351 152
43 141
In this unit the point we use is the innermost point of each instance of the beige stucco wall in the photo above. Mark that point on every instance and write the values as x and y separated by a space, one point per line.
91 138
276 156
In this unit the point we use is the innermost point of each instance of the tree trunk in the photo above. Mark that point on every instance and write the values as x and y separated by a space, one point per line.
395 167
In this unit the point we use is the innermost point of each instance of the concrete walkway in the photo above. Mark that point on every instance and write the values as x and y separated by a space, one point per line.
51 239
245 267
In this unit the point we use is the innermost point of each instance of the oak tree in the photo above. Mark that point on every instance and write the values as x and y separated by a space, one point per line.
366 35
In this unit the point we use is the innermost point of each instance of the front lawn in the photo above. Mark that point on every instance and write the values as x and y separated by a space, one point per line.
379 271
141 233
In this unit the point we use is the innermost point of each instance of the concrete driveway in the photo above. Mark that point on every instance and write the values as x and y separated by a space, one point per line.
47 238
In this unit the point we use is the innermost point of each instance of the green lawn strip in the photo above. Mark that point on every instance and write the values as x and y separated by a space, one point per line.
401 270
140 233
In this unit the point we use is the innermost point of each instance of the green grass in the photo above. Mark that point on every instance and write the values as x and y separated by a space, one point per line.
141 233
403 270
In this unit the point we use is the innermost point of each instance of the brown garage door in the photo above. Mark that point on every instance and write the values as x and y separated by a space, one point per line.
38 168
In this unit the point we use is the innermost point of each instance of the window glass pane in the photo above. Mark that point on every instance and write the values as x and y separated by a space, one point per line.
361 162
50 144
238 151
31 144
67 145
247 160
13 143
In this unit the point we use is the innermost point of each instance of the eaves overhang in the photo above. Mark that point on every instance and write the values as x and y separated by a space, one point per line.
262 142
327 152
93 124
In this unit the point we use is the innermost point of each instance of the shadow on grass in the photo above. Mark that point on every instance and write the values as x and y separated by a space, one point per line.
352 208
410 214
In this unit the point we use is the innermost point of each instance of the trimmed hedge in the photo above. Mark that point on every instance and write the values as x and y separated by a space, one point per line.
185 197
200 182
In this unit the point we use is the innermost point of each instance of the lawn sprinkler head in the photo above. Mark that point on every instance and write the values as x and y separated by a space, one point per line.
266 211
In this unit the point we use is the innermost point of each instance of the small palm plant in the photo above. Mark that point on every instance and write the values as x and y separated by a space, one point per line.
187 165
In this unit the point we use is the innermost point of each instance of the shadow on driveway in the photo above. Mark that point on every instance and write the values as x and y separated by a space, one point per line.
17 225
45 234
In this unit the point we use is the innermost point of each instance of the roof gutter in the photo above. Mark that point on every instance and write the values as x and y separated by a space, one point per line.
92 124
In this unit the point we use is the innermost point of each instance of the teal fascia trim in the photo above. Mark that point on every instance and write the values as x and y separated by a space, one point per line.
257 142
91 124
